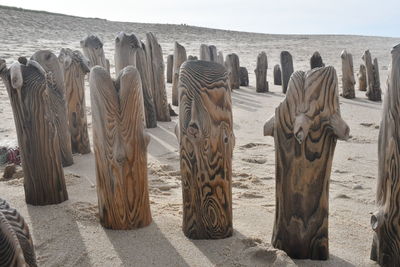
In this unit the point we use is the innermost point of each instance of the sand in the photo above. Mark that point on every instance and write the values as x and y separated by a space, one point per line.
69 234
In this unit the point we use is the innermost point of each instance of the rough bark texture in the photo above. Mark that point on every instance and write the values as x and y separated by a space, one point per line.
362 78
287 69
93 49
277 75
206 139
179 58
29 88
220 58
348 80
233 66
75 66
316 61
373 82
261 73
386 221
305 128
120 148
244 76
170 65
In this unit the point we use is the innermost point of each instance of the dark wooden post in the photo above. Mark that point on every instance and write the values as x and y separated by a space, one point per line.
316 61
244 76
179 58
277 75
28 88
213 53
373 82
170 65
362 78
93 49
348 80
305 128
287 69
120 148
261 73
206 139
233 66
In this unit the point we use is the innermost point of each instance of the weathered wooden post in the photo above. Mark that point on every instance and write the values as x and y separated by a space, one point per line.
156 66
373 82
287 69
16 246
348 80
277 75
58 102
362 78
28 88
233 66
75 66
305 128
205 52
120 148
316 61
179 58
213 53
93 49
170 65
130 52
206 139
261 73
244 76
220 58
385 221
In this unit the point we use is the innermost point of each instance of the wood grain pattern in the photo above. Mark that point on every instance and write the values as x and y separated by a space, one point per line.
362 78
244 76
261 73
277 75
348 80
316 61
232 65
373 82
305 128
58 102
386 220
29 88
179 58
286 69
170 66
75 66
206 139
120 148
92 48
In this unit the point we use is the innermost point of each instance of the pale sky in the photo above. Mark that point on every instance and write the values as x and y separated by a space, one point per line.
368 17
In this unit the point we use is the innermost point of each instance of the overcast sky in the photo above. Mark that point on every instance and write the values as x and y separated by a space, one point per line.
368 17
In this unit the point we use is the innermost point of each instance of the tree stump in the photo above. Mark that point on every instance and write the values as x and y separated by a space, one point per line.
385 221
244 76
362 78
170 65
75 67
120 148
233 66
29 89
348 80
220 58
156 66
58 102
261 73
16 246
205 53
287 69
179 58
206 139
373 82
93 50
316 61
305 128
277 75
130 52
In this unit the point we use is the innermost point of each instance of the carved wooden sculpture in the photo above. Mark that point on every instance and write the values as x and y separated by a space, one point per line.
58 102
179 58
220 58
170 65
206 138
244 76
130 52
205 52
29 89
348 80
156 66
233 66
75 67
373 81
93 49
120 148
261 73
385 222
287 69
16 245
305 128
316 61
277 75
362 78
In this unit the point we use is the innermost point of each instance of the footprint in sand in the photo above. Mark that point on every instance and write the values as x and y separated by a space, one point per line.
255 160
251 145
251 195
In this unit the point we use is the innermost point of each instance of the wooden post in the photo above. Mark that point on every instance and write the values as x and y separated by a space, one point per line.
305 128
287 69
179 58
130 52
348 80
220 58
362 78
205 52
244 76
29 89
75 66
316 61
213 53
373 81
261 73
93 49
16 246
385 221
170 65
156 65
277 75
58 102
206 139
233 66
120 148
